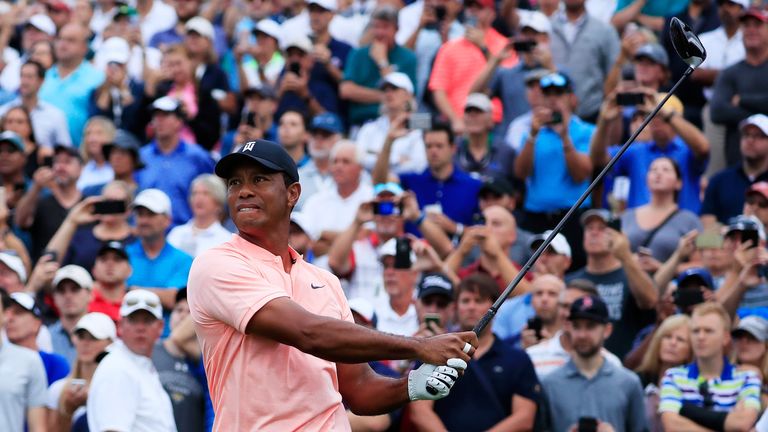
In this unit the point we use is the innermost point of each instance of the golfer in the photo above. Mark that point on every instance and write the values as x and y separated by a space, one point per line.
278 340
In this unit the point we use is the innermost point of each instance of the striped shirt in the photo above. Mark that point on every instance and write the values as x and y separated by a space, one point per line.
683 385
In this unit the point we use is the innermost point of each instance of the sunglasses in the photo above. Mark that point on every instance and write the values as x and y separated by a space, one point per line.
149 303
553 80
440 302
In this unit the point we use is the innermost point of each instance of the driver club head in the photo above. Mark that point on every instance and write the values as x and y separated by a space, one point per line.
686 43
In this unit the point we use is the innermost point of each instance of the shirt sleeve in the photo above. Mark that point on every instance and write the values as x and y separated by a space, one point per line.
527 383
671 395
60 129
54 394
103 400
750 391
440 76
353 66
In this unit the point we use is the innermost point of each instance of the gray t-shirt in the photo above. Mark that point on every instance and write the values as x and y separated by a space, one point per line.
186 393
665 240
23 385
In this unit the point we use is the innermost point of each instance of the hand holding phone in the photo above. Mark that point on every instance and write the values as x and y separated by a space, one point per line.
536 325
107 207
403 253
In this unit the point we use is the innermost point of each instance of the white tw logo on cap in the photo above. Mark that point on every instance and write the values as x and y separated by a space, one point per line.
248 146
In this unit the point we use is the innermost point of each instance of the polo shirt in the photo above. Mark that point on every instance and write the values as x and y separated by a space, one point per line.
724 197
457 195
478 404
388 321
722 51
636 162
499 161
312 181
330 211
363 71
681 385
49 123
56 366
408 153
125 394
72 95
548 355
23 385
550 186
168 270
186 161
62 343
614 395
100 304
657 8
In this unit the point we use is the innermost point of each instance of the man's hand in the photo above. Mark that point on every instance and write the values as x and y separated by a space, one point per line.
398 128
686 246
43 177
378 52
619 244
439 349
609 110
443 222
428 17
541 117
476 36
430 382
73 398
364 213
321 54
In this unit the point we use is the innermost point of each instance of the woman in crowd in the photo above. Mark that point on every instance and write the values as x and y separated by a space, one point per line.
43 53
18 120
750 349
99 131
212 79
207 199
670 347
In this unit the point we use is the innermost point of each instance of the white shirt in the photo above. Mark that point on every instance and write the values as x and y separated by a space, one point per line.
344 29
10 77
721 51
408 152
195 241
408 21
54 395
94 175
603 10
519 127
126 395
48 123
328 211
366 279
549 355
390 322
160 18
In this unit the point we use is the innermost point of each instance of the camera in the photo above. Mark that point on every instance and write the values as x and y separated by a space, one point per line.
536 325
295 67
557 118
587 424
387 208
524 45
630 99
420 121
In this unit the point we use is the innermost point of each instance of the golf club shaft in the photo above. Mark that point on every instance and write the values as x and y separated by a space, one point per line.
486 319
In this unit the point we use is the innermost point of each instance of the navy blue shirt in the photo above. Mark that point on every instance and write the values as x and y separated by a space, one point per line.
56 366
724 197
477 404
457 195
499 161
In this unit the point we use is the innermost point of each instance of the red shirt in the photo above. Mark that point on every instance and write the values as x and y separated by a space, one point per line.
101 304
475 267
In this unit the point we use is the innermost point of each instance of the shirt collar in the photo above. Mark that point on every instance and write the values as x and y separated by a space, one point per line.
178 150
251 249
725 375
137 359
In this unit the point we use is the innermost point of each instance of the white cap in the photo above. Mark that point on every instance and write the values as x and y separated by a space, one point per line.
43 23
399 80
390 249
201 26
362 307
759 120
537 21
99 325
114 50
166 103
329 5
139 299
742 3
74 273
479 101
25 300
300 41
14 263
153 200
303 221
559 243
268 27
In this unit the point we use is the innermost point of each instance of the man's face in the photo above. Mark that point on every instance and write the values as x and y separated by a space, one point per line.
756 204
553 263
596 238
729 13
439 149
177 65
319 18
755 33
139 331
649 73
9 279
122 161
555 99
546 297
321 143
186 9
588 336
111 269
291 131
12 160
71 299
397 282
32 35
708 336
470 308
569 296
395 99
754 143
477 121
167 125
71 43
661 130
487 199
345 169
20 324
202 201
179 312
485 16
66 168
196 43
383 31
29 82
436 304
149 225
502 225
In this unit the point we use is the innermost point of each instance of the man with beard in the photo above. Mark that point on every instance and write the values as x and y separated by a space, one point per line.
577 389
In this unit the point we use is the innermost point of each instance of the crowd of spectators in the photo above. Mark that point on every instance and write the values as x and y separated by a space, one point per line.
437 142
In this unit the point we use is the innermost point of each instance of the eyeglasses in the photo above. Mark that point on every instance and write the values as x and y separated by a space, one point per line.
440 302
553 80
758 202
134 302
706 395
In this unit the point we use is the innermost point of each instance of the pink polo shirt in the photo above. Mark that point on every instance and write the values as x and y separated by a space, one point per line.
258 384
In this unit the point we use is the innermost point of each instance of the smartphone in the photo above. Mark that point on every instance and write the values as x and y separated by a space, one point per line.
250 119
524 45
615 224
77 382
109 207
686 297
630 99
51 253
420 121
535 324
432 320
48 161
440 13
557 118
750 236
403 253
587 424
387 208
709 240
312 38
295 67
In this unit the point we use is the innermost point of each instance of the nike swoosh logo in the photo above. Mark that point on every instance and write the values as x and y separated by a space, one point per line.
316 286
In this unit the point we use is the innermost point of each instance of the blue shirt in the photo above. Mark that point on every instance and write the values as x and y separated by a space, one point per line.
724 197
173 173
56 366
636 162
512 317
550 187
457 195
72 95
62 344
170 269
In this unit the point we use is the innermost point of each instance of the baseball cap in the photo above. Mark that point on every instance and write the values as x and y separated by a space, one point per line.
269 28
389 187
113 246
487 4
139 299
754 325
602 214
329 5
300 41
757 13
760 188
479 101
328 122
201 26
743 3
302 221
167 104
364 308
153 200
58 5
742 223
389 248
535 75
535 21
12 138
14 263
591 308
385 13
114 50
435 284
758 120
76 274
265 91
699 274
497 185
99 325
555 80
43 23
127 141
27 302
653 52
399 80
266 153
559 243
72 151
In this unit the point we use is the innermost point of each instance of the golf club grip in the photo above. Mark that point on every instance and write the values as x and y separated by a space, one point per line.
486 319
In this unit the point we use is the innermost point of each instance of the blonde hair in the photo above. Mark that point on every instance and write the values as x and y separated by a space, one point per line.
214 185
105 124
707 308
651 362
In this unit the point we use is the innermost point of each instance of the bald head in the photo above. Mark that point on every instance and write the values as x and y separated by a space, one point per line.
502 225
545 297
72 44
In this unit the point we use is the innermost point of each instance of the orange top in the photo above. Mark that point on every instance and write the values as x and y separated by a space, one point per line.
258 384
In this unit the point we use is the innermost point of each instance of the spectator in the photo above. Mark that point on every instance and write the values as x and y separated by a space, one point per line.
154 16
69 83
19 122
556 258
648 13
169 149
693 397
98 132
737 93
589 375
141 399
207 198
294 89
265 62
669 347
23 320
709 246
723 198
122 154
13 272
515 134
71 295
110 272
434 304
42 214
22 389
257 119
315 176
642 66
14 163
200 40
756 202
157 265
546 291
292 135
658 225
368 64
38 28
396 312
301 239
67 397
186 11
620 281
501 390
587 54
48 122
745 287
458 62
749 338
391 130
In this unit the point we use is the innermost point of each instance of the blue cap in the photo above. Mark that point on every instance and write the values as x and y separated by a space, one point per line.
12 138
556 80
328 122
698 273
393 188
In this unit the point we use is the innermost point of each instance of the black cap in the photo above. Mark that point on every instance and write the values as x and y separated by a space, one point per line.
590 308
266 153
127 141
60 148
497 185
114 246
435 283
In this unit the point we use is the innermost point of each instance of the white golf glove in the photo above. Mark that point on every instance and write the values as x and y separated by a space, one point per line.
430 382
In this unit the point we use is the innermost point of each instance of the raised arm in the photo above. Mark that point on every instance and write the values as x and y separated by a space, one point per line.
640 284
